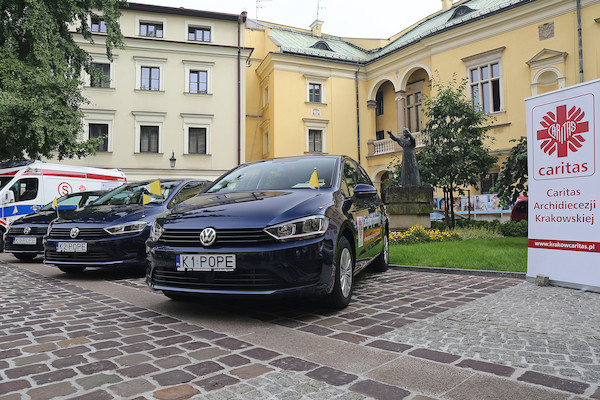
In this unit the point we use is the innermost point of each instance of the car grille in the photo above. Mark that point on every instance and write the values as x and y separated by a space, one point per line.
191 237
248 280
84 233
35 230
96 256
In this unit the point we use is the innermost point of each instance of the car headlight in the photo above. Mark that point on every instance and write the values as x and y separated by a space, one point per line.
156 231
301 228
129 227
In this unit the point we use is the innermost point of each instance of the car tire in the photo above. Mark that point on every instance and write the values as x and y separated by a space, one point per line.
25 256
175 295
71 269
340 296
380 264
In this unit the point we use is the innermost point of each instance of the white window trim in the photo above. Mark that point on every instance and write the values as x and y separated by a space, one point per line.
197 121
101 59
153 20
199 24
198 66
485 58
560 79
149 62
320 80
316 125
148 118
99 117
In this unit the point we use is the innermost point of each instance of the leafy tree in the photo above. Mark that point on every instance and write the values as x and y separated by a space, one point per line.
455 153
512 180
41 67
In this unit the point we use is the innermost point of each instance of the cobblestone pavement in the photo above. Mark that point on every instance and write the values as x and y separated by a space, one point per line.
407 335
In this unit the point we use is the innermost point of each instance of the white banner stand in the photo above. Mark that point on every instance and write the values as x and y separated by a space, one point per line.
564 186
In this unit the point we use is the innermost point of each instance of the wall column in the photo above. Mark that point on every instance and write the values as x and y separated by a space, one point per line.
400 111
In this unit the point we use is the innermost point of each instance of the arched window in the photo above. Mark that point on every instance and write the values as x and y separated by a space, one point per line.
321 45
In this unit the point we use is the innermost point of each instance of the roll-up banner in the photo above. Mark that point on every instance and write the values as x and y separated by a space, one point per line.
564 186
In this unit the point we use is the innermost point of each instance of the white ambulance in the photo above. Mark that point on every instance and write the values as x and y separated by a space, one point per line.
27 185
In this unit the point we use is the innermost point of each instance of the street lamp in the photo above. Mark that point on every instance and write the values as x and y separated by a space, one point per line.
172 160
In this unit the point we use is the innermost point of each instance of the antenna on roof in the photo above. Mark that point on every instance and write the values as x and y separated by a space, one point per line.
319 8
258 5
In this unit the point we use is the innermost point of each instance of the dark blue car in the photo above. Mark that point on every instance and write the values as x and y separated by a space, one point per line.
24 236
112 230
290 226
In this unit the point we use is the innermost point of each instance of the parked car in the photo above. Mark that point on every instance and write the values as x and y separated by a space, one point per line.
112 230
520 209
24 236
289 226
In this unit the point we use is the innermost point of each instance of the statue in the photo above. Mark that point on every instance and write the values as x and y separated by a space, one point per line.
410 170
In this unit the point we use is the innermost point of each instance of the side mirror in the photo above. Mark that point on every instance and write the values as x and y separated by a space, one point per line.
8 197
362 191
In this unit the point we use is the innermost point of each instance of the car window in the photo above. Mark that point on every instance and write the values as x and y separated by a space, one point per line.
133 194
351 177
278 174
25 189
190 190
90 199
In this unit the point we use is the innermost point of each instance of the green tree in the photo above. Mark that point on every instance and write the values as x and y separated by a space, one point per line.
41 67
512 180
455 153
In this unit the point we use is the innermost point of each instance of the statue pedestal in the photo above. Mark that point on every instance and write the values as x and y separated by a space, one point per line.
409 206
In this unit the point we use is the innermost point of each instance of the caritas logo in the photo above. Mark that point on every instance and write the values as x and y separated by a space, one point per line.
564 139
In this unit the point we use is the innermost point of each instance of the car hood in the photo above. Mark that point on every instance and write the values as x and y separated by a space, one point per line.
42 217
112 214
248 209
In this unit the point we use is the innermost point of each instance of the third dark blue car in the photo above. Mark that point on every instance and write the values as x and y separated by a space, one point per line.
291 226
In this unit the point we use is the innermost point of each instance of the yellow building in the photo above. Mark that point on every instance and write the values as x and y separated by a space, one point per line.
175 92
308 92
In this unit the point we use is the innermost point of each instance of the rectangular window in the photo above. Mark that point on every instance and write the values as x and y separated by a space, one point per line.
150 78
314 92
150 29
379 101
103 80
99 131
199 34
197 141
414 109
485 87
379 135
198 82
148 139
314 141
488 181
98 25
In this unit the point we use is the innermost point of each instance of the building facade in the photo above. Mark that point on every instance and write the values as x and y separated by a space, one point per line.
171 103
314 93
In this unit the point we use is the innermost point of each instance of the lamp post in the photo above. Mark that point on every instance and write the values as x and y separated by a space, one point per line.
172 160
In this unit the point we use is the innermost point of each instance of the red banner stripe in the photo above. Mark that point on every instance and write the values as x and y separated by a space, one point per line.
569 245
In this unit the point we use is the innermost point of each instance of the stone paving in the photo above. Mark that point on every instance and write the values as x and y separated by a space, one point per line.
406 335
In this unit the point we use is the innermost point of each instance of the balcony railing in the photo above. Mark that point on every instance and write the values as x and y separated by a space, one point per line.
387 146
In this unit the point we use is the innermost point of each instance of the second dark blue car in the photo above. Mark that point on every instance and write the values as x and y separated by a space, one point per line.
291 226
113 229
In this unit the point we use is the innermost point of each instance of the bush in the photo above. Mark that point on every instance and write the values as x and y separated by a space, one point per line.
418 234
514 229
478 233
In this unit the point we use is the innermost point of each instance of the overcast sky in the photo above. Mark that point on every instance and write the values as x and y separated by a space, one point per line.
348 18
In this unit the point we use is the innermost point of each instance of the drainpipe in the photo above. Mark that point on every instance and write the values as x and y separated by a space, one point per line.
241 20
357 113
579 38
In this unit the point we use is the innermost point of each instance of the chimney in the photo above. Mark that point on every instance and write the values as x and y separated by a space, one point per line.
316 27
446 5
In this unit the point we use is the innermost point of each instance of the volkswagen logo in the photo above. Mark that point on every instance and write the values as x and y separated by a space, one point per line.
74 232
208 236
27 230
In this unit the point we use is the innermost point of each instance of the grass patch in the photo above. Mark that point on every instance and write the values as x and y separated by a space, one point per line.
502 254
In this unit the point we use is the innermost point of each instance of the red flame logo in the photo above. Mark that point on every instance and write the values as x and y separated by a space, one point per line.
562 131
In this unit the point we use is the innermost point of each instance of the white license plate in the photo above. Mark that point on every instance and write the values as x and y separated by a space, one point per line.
24 240
205 262
71 247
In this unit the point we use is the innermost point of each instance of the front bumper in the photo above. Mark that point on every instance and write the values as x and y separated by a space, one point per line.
101 252
300 268
33 248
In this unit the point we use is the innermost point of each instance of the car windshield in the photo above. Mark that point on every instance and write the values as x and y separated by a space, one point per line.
4 180
277 174
133 194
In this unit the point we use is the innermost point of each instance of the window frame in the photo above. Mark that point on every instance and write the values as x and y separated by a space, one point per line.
96 116
105 142
101 23
316 80
189 133
315 125
482 60
153 130
199 28
189 67
148 118
149 62
198 72
103 83
197 121
412 90
154 24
